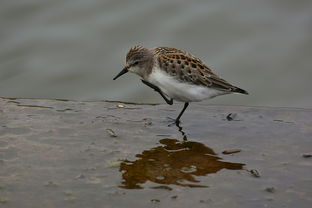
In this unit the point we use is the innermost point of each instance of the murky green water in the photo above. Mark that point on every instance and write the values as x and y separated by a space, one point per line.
72 49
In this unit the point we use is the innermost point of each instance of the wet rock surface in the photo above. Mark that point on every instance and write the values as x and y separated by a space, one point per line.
58 153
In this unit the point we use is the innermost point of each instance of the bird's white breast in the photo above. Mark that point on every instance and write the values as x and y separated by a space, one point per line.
180 91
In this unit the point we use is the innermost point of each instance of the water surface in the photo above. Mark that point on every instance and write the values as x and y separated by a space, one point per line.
72 49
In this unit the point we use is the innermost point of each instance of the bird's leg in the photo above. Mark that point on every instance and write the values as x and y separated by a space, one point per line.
177 121
170 102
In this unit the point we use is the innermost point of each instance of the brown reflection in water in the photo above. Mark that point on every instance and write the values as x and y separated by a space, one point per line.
173 162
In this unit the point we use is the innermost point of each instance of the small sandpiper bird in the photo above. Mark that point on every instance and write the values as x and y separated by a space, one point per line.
176 75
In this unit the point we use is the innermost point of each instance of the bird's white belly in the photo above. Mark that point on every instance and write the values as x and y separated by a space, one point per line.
181 91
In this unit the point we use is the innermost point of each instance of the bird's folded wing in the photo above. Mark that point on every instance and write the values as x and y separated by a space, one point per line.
185 67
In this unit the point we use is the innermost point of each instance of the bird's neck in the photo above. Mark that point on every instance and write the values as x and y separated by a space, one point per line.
150 63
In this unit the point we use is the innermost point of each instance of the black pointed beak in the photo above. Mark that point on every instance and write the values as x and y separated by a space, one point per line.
125 70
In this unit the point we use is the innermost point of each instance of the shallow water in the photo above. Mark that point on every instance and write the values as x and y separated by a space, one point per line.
72 49
100 154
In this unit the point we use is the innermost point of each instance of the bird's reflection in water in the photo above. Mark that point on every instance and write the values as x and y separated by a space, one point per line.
173 162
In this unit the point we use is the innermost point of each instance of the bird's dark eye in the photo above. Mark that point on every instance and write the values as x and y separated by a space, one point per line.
135 63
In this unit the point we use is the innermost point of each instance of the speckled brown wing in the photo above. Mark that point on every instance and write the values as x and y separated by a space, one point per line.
192 70
167 50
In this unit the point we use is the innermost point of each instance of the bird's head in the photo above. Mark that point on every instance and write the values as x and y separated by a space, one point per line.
139 60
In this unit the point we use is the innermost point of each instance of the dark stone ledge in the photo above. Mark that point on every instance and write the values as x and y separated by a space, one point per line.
57 153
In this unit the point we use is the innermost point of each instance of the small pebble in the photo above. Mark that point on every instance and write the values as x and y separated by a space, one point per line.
270 189
174 197
147 122
111 133
120 106
231 116
254 172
